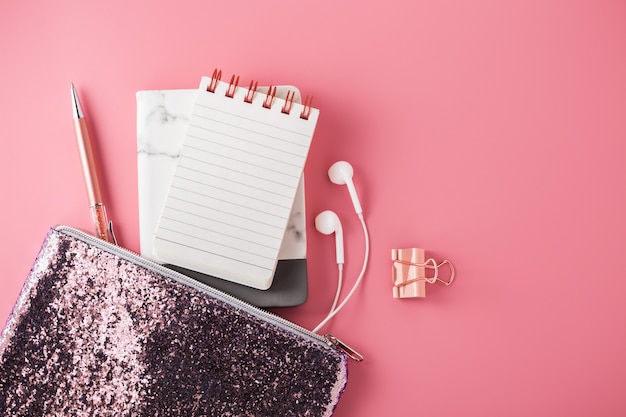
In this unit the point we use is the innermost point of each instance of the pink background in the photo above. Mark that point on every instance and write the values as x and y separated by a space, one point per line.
490 133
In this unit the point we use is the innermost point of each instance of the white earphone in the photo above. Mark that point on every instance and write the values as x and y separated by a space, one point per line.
327 222
341 173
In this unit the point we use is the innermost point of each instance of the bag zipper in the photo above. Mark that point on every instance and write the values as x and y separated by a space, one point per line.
327 339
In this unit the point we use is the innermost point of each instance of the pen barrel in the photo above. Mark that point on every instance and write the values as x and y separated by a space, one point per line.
100 219
87 160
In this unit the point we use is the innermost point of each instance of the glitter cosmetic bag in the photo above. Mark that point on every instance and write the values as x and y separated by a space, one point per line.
100 331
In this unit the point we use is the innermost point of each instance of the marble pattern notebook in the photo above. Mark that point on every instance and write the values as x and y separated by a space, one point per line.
162 118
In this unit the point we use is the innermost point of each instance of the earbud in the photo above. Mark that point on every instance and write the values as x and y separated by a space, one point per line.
341 173
327 222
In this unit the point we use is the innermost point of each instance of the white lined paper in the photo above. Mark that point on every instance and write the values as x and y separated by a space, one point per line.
234 186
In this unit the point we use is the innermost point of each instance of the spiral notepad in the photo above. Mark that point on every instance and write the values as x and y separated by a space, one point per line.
235 182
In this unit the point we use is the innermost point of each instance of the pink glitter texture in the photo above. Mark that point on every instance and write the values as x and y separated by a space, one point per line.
96 334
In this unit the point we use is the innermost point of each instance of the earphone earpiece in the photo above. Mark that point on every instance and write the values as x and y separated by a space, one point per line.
341 172
328 223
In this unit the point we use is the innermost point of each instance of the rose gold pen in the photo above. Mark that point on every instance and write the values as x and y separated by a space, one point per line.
104 227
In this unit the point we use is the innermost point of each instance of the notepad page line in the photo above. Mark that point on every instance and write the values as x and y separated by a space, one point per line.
230 159
254 120
213 171
210 198
224 212
238 231
246 129
243 151
213 232
246 273
212 253
270 166
227 245
236 189
229 191
242 173
241 140
226 229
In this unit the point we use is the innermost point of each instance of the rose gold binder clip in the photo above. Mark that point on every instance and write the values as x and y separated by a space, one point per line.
409 272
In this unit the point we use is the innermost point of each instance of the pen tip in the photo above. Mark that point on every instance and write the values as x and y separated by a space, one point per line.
78 111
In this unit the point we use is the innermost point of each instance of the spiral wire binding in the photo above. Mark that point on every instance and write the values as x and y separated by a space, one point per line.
288 102
217 75
269 99
252 89
232 86
306 111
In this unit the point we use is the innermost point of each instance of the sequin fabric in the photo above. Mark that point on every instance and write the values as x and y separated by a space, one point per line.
93 334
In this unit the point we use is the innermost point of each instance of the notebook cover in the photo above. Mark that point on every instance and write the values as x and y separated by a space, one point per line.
96 331
162 117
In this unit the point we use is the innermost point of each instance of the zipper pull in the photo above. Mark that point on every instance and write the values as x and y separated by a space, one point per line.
338 344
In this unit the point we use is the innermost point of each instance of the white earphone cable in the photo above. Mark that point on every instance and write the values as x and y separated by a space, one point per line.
333 310
339 285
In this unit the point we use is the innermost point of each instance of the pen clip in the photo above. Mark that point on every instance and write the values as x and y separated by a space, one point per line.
110 229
